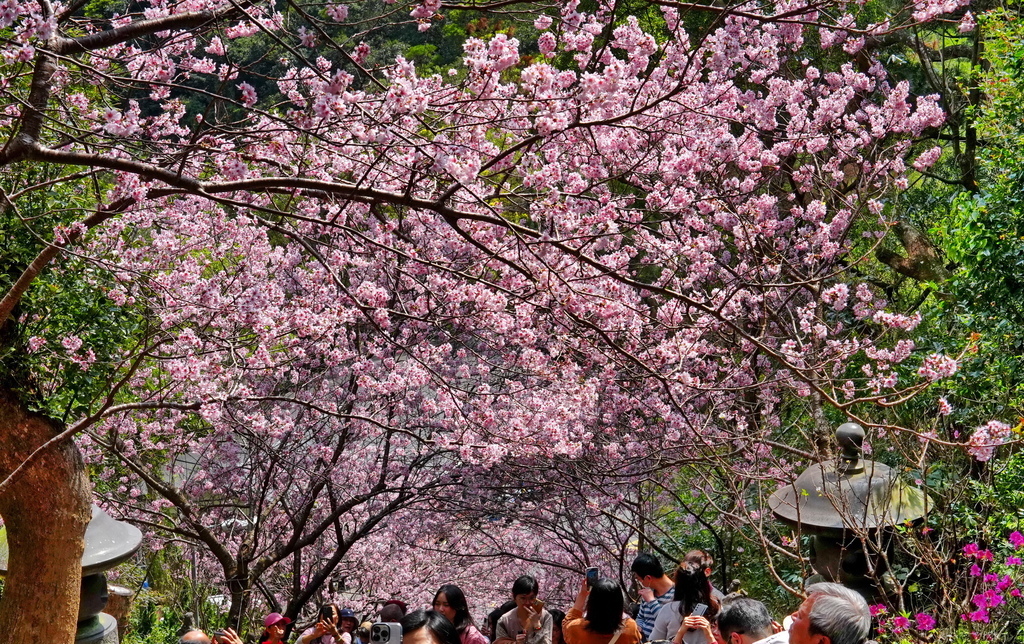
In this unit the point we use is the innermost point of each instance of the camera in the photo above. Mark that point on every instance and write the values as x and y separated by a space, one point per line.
386 633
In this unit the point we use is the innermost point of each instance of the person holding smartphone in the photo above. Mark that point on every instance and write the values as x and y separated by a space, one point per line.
325 630
225 636
655 588
690 618
597 618
529 623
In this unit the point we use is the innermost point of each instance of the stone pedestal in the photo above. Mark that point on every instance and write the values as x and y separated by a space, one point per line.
95 626
119 606
102 631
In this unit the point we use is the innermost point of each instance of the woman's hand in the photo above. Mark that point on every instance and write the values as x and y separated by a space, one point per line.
584 590
332 628
581 597
692 623
532 622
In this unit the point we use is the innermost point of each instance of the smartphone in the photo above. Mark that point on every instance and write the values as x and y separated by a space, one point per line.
538 605
218 634
699 610
386 633
591 576
328 614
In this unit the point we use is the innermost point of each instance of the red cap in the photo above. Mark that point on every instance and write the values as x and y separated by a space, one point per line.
275 618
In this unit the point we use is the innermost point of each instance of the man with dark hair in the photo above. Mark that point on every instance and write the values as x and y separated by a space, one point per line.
746 621
656 590
393 611
528 623
831 614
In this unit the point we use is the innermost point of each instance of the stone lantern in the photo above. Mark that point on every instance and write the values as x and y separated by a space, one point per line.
840 504
108 542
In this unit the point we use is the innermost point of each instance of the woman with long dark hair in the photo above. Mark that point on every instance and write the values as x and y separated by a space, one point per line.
596 617
675 620
451 602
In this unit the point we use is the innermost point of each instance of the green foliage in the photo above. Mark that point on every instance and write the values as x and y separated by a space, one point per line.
170 591
989 244
70 298
151 623
983 237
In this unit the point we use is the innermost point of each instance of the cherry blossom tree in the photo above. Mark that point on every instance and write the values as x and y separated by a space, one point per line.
336 286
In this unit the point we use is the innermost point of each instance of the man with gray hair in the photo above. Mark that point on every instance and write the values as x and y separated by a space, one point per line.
831 614
746 621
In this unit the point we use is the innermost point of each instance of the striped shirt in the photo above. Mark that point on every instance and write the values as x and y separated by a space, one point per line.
649 611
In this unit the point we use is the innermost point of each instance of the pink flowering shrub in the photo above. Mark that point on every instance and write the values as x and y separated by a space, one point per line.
993 612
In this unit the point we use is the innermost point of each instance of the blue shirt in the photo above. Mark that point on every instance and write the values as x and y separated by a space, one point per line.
649 611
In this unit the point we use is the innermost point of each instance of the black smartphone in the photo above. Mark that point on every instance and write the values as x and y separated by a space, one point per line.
328 614
591 576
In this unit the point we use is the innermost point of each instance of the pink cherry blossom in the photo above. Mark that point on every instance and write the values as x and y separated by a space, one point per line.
383 307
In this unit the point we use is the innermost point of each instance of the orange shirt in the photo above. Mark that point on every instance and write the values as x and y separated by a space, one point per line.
574 631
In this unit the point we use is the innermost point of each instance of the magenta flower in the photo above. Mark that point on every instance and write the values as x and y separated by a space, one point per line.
988 599
878 609
980 615
1017 539
971 549
899 624
924 621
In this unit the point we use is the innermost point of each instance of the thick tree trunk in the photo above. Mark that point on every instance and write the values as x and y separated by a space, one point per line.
923 262
46 510
240 589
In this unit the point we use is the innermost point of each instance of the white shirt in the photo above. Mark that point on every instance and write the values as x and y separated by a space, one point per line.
781 637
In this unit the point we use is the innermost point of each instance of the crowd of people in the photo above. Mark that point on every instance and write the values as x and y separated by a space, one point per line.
684 608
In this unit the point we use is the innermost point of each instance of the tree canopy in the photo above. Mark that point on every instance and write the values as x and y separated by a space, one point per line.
313 286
